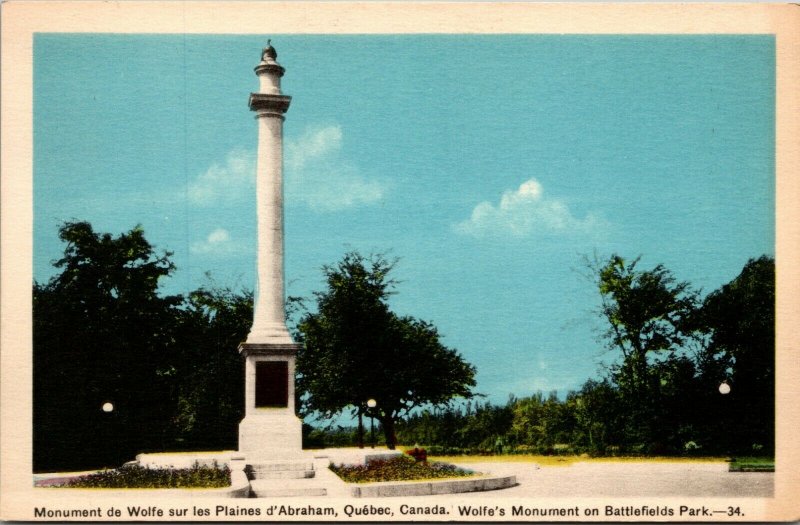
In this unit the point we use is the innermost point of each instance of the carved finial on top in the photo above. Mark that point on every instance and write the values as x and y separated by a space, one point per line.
268 65
269 52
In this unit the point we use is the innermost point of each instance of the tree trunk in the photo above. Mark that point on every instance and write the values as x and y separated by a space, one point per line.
388 431
360 429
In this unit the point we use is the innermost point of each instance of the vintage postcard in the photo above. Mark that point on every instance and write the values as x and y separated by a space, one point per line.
333 261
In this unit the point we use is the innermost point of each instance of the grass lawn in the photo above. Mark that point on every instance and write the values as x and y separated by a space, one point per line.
563 461
752 464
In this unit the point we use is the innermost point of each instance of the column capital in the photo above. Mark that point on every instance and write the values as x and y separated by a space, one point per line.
270 103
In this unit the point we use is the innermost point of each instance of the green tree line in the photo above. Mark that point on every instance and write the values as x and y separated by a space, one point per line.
664 393
103 333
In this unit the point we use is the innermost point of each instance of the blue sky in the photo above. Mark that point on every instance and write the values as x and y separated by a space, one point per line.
490 164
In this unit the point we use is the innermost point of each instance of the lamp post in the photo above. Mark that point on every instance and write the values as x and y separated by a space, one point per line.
360 427
372 404
725 389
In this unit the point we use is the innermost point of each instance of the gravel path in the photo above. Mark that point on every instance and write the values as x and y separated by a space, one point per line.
626 479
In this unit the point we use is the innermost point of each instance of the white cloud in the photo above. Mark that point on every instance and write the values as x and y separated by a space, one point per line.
316 174
217 242
314 144
319 176
225 182
523 212
219 236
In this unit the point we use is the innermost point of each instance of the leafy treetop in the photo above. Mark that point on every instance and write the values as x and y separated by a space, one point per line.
357 349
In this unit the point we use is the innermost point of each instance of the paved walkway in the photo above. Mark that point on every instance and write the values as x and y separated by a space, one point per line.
625 479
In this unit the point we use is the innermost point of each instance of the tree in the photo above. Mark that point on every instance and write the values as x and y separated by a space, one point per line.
597 416
740 317
101 333
356 349
647 312
649 315
209 368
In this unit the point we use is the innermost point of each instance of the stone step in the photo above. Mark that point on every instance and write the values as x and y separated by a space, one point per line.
280 474
270 488
280 470
281 465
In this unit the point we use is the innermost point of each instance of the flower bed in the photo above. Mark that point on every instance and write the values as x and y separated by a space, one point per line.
400 468
138 477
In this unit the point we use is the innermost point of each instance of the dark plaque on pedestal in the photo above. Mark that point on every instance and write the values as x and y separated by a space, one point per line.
272 384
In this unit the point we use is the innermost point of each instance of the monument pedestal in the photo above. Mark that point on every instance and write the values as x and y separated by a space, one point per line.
270 428
273 434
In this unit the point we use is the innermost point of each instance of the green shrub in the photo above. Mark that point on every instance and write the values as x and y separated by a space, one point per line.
400 468
691 448
442 450
562 449
138 477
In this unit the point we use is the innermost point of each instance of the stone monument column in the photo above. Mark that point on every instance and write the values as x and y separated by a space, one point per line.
270 428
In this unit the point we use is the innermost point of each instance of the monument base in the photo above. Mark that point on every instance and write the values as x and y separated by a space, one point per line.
271 434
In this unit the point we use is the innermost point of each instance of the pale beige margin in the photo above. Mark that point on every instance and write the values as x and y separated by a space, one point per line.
21 19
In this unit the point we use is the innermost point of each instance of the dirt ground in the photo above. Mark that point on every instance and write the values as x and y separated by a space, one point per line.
626 479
